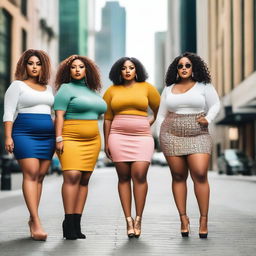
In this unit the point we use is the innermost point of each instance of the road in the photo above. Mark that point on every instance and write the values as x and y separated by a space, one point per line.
232 219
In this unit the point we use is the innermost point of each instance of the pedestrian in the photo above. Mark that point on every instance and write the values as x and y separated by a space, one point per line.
128 139
189 103
29 129
77 106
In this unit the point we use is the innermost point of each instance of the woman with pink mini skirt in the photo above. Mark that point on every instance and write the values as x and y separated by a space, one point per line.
128 139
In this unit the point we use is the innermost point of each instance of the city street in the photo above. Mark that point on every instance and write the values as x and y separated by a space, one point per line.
231 221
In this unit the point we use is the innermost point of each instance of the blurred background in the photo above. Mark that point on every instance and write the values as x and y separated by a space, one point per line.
222 32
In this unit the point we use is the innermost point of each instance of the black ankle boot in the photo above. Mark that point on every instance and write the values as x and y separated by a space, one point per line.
77 222
68 227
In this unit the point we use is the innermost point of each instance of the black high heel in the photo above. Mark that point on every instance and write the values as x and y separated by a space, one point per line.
202 235
68 227
77 223
185 232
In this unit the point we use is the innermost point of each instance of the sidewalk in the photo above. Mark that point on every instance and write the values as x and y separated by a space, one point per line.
231 225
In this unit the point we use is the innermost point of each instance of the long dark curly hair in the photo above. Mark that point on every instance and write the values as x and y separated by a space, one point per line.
21 68
92 79
200 70
115 71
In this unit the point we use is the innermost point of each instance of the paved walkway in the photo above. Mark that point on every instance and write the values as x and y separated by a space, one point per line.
231 227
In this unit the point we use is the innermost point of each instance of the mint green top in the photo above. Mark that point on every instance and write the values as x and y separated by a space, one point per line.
79 101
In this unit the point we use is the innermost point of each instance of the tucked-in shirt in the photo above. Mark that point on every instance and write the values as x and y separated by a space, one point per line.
79 102
21 98
200 98
131 100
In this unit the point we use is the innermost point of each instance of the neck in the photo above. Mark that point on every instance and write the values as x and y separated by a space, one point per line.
32 80
186 81
129 82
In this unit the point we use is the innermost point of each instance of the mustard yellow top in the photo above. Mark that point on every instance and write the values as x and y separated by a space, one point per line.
131 100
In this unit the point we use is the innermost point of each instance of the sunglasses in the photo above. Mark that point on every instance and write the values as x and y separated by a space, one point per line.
187 65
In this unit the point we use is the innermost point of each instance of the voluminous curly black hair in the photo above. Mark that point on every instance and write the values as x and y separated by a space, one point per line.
115 71
199 68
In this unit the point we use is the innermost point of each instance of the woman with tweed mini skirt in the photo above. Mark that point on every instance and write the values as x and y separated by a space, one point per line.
188 104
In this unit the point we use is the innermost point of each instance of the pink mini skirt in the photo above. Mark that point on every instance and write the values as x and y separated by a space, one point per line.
130 139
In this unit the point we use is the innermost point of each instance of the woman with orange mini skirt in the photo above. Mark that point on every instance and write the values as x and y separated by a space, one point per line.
77 107
128 139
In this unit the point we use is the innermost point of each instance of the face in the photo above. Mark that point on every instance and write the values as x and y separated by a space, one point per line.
77 70
128 71
184 68
34 66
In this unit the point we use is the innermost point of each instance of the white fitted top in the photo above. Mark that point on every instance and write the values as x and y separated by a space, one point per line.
20 98
200 98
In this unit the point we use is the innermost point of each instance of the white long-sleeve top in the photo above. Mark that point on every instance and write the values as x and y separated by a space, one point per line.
20 98
200 98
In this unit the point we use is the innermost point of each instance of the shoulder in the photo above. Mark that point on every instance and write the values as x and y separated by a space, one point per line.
17 83
110 89
49 88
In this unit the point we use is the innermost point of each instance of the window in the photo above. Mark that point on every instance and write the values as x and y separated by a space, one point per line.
24 40
23 7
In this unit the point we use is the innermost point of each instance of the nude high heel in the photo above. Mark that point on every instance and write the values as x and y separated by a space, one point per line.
185 228
203 234
137 226
130 227
38 236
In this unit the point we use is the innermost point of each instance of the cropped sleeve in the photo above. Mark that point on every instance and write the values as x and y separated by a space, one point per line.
62 98
11 99
212 102
153 98
109 115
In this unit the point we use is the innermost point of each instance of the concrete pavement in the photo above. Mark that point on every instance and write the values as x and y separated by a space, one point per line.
231 222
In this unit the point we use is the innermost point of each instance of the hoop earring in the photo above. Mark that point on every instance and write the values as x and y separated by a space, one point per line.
136 77
120 79
177 77
192 75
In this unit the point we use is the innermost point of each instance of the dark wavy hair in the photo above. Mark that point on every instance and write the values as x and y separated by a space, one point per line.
92 72
115 71
199 68
21 68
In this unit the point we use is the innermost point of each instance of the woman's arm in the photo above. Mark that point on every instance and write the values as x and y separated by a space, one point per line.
59 121
9 145
106 129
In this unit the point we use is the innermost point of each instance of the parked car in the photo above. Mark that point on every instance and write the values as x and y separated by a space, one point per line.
233 161
159 159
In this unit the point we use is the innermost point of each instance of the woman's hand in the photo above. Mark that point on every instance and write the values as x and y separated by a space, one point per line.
59 147
151 120
9 145
107 152
202 121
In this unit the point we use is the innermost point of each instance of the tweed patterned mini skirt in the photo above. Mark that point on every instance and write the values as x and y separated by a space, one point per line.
181 134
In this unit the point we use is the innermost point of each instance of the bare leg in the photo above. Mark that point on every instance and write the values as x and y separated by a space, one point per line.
70 189
124 186
43 169
139 172
198 165
179 171
82 193
30 170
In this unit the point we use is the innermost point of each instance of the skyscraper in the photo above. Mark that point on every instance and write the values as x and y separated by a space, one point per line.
110 40
73 27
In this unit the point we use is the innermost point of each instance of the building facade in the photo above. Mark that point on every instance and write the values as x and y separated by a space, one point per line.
25 24
232 60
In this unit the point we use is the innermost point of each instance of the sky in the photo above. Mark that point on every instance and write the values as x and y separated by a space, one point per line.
143 19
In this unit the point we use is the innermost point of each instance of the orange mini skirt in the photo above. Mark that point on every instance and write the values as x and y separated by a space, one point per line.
82 145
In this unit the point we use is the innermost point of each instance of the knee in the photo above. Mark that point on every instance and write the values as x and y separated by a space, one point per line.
141 179
200 178
32 175
72 179
124 178
41 178
177 177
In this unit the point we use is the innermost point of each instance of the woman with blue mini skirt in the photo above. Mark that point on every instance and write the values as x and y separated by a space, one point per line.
29 129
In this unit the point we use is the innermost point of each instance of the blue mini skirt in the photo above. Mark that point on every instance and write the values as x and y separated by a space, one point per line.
33 136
